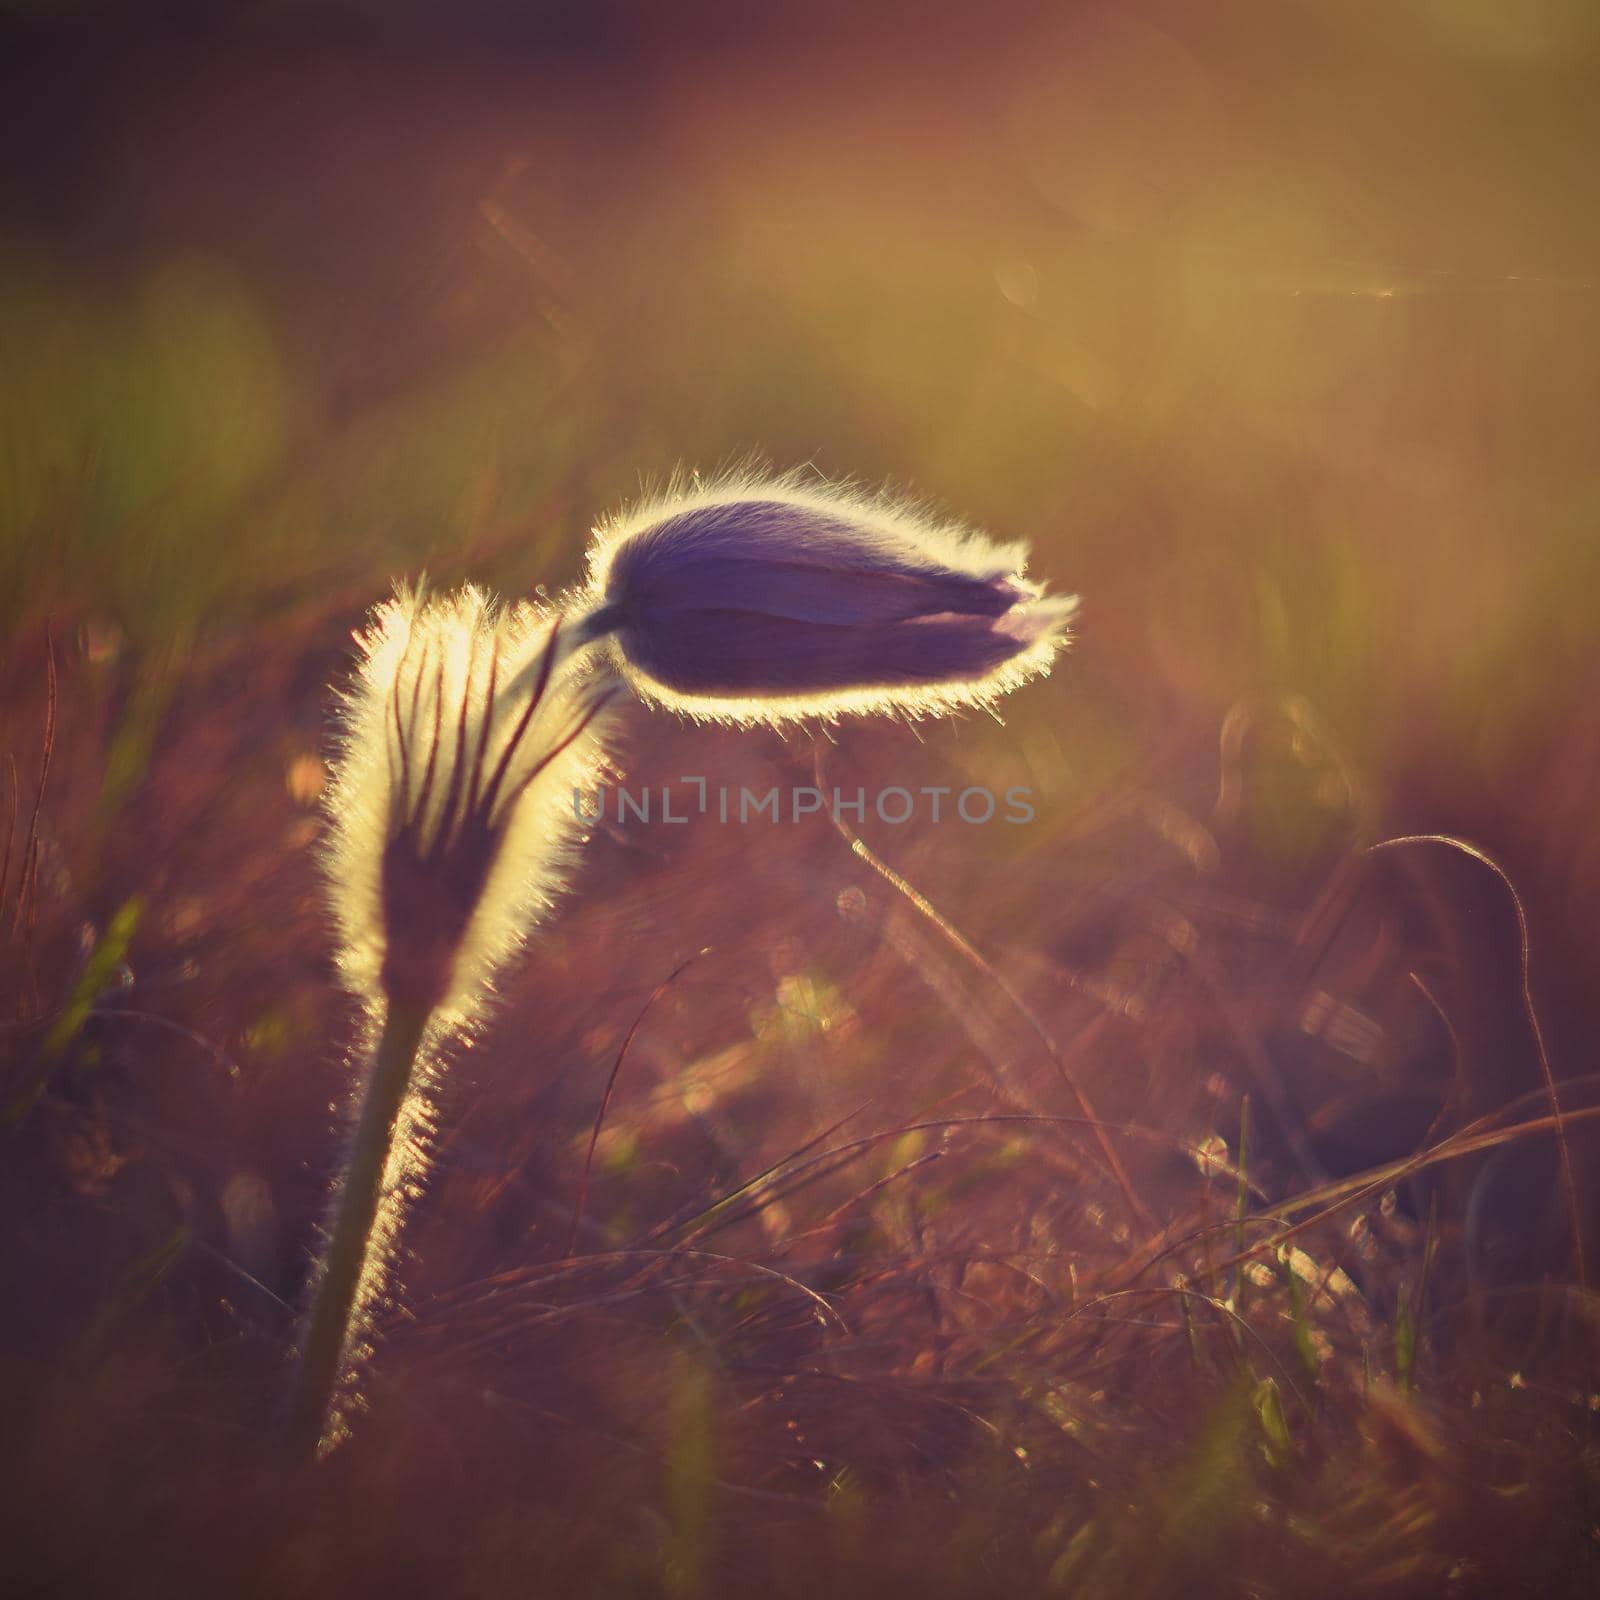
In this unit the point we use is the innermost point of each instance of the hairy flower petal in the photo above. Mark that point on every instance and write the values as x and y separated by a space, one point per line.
768 601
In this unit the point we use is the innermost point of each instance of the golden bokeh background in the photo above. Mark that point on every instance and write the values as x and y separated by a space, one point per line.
1271 325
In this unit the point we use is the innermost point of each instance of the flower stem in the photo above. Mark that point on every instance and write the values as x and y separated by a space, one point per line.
351 1272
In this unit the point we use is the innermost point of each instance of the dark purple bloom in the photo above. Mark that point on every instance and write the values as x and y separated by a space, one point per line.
764 603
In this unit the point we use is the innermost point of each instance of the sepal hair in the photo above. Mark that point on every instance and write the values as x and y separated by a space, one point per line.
450 827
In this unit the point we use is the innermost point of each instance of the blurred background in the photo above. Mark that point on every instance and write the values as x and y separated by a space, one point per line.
1272 327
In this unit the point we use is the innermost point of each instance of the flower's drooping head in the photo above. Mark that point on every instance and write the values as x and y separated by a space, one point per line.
763 602
451 826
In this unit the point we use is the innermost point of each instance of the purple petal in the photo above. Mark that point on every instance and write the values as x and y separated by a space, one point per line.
721 652
793 561
812 594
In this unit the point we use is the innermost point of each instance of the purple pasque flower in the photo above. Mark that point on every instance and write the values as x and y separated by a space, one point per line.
764 601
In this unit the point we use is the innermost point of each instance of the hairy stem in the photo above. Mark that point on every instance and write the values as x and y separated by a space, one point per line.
353 1266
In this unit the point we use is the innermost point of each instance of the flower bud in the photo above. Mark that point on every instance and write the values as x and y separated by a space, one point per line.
764 602
467 727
